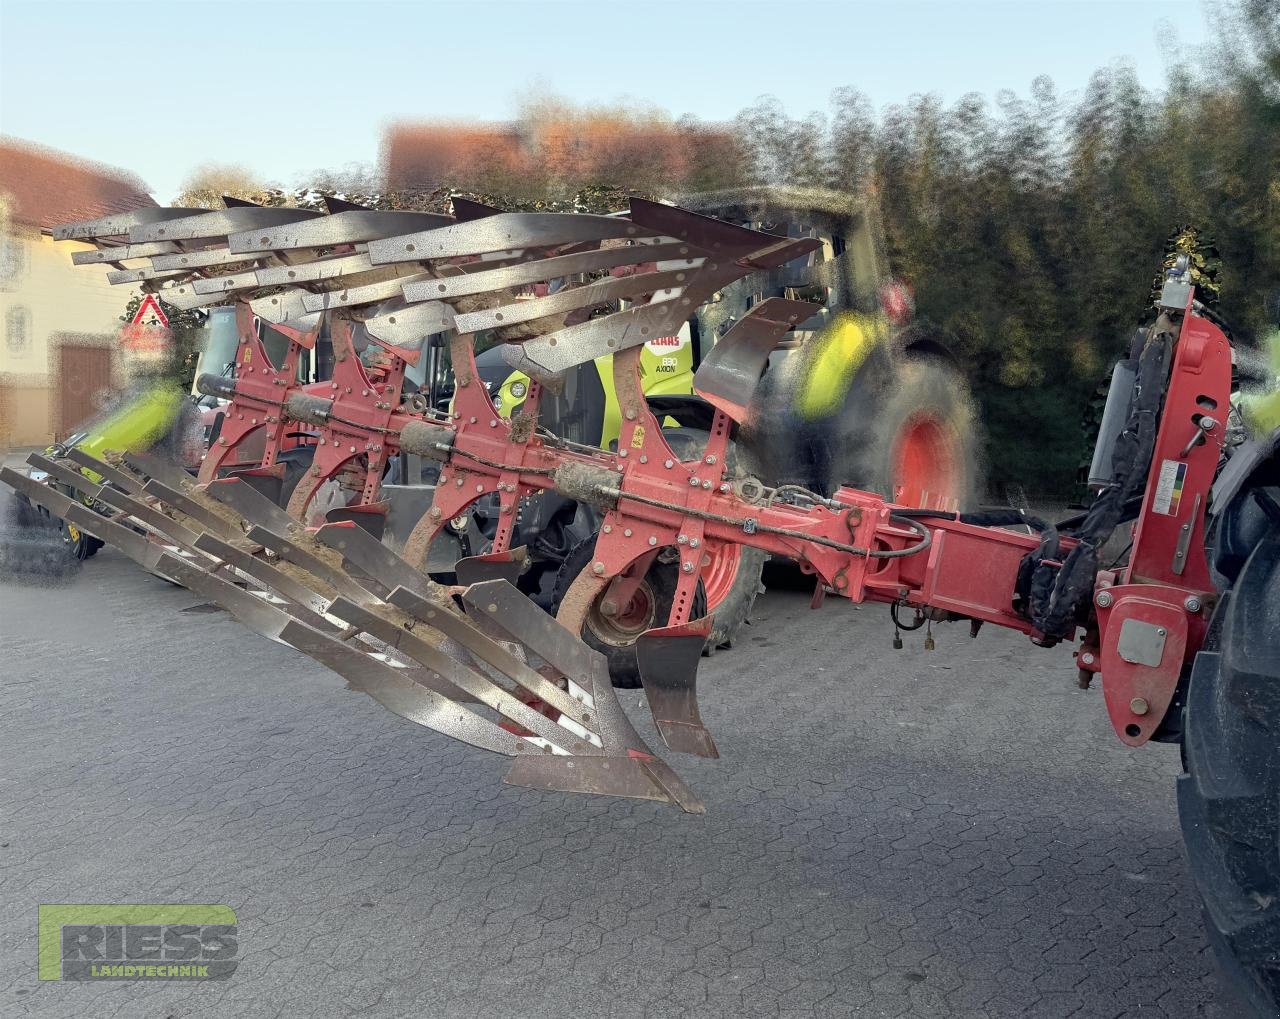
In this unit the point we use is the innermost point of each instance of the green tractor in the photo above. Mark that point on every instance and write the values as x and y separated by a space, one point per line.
151 415
859 394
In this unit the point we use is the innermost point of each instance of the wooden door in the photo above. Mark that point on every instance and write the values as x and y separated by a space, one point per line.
84 379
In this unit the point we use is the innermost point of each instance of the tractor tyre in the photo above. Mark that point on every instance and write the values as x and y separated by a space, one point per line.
731 580
1229 798
615 636
32 549
921 446
80 546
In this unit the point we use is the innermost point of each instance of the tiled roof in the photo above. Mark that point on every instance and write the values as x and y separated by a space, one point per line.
46 188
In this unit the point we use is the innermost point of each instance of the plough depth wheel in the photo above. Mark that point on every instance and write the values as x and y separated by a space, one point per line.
614 629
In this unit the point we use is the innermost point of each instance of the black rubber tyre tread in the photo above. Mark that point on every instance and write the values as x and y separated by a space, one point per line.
1229 799
32 547
733 611
86 546
624 670
923 382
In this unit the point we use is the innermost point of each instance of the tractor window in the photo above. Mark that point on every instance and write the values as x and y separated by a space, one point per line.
801 279
323 354
727 306
860 265
276 344
577 412
440 378
221 340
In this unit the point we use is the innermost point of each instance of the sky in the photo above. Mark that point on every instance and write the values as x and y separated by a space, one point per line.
288 87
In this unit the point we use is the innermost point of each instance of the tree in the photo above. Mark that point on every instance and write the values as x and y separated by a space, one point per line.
205 187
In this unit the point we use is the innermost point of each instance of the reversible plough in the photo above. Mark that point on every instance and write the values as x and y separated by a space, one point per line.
480 662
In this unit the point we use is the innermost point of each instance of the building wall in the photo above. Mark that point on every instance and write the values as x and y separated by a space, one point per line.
45 300
26 412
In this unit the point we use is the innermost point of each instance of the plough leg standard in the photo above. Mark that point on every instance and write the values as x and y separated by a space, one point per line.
487 667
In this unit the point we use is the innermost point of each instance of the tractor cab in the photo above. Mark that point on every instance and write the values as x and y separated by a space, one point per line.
586 408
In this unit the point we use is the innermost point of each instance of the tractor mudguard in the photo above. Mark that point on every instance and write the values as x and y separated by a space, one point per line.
925 338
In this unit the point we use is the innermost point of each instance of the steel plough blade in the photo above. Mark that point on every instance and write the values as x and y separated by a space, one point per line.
371 516
506 566
267 481
123 480
353 605
121 502
587 675
131 542
668 657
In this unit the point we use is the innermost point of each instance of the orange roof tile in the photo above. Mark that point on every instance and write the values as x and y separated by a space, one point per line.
46 188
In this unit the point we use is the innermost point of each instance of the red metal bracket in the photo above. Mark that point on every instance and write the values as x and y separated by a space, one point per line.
256 411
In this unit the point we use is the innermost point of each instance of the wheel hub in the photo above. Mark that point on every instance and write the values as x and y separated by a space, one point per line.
719 574
623 627
926 471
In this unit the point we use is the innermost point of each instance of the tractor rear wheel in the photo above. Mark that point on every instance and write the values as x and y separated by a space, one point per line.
1229 798
921 448
79 545
32 546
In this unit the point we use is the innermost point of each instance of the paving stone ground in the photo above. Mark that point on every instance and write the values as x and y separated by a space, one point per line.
955 833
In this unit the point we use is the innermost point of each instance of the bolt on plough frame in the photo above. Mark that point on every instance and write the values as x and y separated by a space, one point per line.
485 665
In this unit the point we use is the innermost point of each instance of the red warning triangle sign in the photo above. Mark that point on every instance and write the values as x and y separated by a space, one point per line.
150 305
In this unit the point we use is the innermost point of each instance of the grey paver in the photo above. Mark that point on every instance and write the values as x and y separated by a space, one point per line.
887 833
